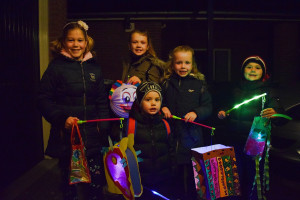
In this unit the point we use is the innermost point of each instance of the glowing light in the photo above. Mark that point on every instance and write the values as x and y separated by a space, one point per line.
160 195
259 136
246 101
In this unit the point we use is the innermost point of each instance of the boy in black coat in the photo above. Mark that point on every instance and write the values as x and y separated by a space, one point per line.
254 82
151 136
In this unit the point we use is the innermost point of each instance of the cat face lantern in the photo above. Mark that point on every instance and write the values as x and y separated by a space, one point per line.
122 96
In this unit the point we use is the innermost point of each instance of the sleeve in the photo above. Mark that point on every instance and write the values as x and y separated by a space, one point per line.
125 71
205 108
274 102
46 98
102 103
161 65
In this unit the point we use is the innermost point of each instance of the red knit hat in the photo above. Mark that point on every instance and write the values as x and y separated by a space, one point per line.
258 60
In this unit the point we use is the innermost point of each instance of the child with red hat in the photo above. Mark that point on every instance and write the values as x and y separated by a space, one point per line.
255 81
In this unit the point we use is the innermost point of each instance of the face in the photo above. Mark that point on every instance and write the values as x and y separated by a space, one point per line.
122 99
75 43
139 44
151 103
183 63
253 72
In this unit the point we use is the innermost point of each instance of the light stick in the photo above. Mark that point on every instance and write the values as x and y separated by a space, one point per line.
283 116
246 101
99 120
175 117
160 195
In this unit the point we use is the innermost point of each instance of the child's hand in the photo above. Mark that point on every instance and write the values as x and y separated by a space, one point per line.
268 112
167 112
191 116
70 121
222 114
134 79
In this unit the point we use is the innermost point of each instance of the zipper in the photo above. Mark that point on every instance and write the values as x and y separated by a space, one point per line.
84 99
151 134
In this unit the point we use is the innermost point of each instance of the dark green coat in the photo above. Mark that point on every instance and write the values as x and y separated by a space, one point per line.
147 68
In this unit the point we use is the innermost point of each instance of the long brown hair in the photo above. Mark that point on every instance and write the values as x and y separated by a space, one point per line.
184 48
57 45
146 34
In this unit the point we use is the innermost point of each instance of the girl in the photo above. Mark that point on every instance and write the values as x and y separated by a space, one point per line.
152 138
254 82
185 95
72 88
143 64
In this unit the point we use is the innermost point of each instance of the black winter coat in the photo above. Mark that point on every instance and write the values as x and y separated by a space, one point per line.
152 139
241 119
182 95
73 88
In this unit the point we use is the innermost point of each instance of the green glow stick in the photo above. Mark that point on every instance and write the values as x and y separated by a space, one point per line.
282 115
246 101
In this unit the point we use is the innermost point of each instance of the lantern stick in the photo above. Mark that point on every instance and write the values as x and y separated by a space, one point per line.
99 120
246 101
160 195
156 193
175 117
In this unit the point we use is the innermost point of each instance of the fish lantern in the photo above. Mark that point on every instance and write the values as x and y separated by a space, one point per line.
122 169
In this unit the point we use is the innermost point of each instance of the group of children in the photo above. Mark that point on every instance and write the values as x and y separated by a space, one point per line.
72 88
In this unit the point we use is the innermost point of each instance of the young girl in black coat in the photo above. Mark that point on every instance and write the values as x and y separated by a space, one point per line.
186 96
72 88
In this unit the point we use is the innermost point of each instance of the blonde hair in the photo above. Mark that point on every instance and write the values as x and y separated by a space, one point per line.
169 66
57 45
146 34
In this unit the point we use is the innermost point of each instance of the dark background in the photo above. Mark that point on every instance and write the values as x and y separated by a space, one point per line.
223 34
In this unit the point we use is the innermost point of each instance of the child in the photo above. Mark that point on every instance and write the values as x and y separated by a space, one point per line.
143 64
254 82
152 138
185 95
72 88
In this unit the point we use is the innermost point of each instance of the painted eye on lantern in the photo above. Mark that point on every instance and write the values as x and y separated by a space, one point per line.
126 97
